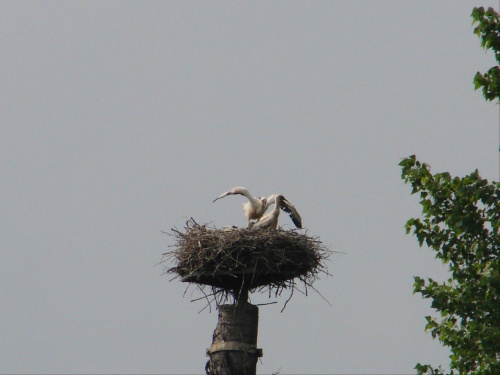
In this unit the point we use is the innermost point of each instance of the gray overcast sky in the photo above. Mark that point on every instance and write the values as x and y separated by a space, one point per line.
123 119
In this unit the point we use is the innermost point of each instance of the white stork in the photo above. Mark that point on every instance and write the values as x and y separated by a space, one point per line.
286 206
270 220
255 208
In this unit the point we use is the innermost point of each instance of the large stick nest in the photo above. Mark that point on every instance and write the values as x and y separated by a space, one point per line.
236 260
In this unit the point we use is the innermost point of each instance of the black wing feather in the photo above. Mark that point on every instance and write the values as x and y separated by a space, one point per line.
294 215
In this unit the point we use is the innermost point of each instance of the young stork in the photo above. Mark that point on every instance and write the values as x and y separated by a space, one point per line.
270 220
286 206
255 208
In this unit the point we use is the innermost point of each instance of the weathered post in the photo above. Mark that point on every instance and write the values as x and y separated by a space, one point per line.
233 263
234 343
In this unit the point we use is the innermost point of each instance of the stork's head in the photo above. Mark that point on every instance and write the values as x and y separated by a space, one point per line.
280 199
263 200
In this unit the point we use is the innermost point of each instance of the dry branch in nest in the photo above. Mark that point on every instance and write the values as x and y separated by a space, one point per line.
235 261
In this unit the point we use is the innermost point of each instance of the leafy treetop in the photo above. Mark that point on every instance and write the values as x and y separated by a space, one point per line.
488 30
461 221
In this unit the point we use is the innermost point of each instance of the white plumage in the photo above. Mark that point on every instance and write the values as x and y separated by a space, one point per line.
255 208
270 220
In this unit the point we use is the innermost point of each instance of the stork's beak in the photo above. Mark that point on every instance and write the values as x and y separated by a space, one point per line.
222 196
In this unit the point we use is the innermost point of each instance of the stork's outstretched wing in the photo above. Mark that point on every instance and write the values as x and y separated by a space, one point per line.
292 212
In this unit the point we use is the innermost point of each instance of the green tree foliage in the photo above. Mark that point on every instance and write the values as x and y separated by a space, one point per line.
461 221
488 30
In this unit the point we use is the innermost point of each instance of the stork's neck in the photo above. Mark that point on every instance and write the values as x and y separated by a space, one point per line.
271 199
277 205
254 201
